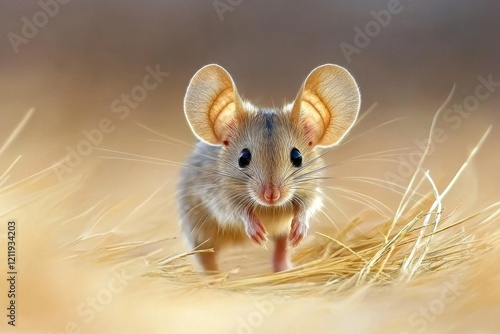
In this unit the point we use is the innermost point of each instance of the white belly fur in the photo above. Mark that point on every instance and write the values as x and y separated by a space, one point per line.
276 221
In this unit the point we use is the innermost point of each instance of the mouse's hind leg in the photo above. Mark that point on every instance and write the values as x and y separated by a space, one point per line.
207 260
282 254
201 232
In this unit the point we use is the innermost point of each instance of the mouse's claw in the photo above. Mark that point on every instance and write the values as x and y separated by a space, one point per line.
298 232
256 231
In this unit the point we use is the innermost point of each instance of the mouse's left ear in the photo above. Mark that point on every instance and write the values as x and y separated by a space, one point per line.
212 105
327 105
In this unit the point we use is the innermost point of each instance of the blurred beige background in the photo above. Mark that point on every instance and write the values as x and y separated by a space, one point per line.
88 54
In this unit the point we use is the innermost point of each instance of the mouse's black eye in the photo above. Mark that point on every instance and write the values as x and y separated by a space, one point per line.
245 157
296 157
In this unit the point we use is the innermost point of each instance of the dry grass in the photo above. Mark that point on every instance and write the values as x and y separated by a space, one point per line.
335 263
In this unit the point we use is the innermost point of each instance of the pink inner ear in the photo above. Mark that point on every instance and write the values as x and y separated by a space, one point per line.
308 132
226 130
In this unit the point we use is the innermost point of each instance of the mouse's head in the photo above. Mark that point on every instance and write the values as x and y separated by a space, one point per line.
271 156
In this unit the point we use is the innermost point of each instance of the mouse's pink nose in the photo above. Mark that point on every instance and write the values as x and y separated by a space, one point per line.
272 194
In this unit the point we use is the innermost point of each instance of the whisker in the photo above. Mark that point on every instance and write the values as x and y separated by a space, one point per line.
332 202
378 182
373 129
360 201
176 163
361 195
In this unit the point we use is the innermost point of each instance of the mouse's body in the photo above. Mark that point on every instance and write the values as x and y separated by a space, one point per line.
212 198
256 172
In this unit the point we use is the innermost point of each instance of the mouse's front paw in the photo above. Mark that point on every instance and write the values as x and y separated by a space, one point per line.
298 231
255 230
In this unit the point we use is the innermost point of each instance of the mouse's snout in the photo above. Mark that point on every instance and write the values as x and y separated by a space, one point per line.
272 194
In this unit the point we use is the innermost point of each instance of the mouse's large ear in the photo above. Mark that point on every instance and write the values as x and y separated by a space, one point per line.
327 105
212 105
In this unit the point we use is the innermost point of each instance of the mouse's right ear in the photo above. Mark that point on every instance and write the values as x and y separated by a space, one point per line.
212 105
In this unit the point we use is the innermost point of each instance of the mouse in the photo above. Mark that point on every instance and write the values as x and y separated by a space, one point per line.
255 174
